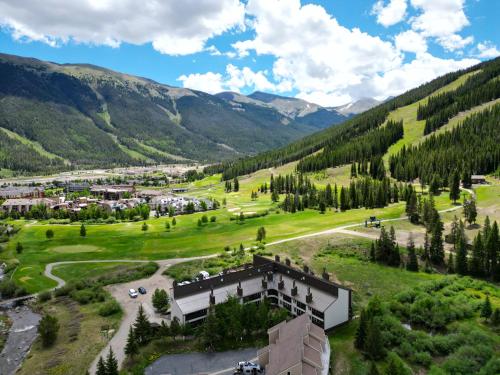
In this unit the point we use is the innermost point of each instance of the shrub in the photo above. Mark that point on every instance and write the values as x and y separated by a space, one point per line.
83 296
64 290
44 296
9 289
109 308
213 219
48 329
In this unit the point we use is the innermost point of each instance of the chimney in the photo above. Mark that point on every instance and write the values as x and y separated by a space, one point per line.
270 276
281 283
294 289
309 296
239 289
277 258
325 275
212 297
306 268
287 262
264 283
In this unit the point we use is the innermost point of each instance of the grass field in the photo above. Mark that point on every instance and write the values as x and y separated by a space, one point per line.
127 241
413 129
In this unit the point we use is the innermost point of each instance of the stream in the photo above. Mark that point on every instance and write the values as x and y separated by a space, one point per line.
22 334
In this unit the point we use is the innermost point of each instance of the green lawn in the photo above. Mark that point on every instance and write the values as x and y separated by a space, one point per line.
75 272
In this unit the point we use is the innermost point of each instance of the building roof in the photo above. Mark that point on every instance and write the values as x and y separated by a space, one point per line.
478 177
299 342
27 201
19 190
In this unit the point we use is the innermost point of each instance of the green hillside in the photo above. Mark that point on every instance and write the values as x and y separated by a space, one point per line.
364 136
82 116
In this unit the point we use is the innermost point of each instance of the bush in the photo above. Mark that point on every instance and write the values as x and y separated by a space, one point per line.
213 219
9 289
109 308
64 290
44 296
48 329
83 296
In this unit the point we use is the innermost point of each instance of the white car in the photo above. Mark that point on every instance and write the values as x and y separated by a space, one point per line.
133 293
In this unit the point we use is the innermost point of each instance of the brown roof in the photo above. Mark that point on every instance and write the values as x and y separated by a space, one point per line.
296 345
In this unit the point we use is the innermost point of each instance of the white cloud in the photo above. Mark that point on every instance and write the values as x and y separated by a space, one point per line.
173 27
441 19
208 82
411 41
420 70
487 50
329 64
390 14
235 79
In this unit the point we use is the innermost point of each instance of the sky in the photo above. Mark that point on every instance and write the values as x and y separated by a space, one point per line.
329 52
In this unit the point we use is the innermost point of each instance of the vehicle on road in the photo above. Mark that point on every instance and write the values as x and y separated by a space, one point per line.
142 290
133 293
248 368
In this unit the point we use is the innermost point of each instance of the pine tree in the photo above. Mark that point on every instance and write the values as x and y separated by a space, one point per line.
236 184
174 222
436 248
111 364
470 210
359 342
83 231
131 348
344 205
373 342
19 248
209 330
411 208
101 367
451 264
461 251
454 185
486 309
492 248
335 197
412 256
478 261
142 327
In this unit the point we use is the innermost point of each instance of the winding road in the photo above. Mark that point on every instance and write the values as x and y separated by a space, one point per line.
158 280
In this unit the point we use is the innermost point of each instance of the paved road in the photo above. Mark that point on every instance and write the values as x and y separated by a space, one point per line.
194 363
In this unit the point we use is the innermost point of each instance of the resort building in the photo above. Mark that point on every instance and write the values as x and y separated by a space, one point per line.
23 205
299 291
297 347
11 192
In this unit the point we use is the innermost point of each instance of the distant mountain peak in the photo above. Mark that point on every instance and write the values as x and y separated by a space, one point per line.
357 106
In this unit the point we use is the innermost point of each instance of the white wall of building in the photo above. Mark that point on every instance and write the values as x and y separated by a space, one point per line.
338 312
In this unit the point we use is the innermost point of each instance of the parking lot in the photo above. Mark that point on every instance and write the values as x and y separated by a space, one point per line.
200 363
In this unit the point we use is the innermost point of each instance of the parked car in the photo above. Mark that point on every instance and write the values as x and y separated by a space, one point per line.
248 368
133 293
142 290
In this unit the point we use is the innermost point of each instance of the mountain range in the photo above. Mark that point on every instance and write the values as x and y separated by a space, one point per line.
61 116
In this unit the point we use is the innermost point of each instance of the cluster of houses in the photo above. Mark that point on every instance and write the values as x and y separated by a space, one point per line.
22 199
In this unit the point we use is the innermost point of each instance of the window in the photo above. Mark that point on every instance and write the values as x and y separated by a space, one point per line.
300 304
272 292
318 322
287 306
251 297
196 314
287 298
319 314
298 311
273 300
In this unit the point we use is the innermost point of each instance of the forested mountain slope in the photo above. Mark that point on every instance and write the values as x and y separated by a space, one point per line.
54 117
393 126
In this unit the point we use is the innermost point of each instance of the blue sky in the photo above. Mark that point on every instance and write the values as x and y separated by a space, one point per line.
329 51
